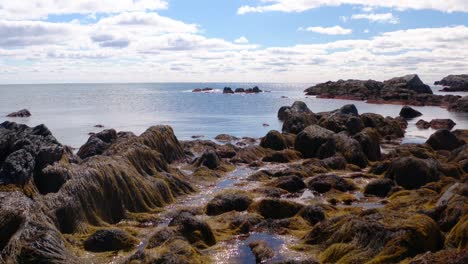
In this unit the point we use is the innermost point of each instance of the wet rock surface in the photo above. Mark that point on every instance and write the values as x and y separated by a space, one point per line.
405 90
339 189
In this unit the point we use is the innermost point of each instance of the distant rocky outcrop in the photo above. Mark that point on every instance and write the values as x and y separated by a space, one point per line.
199 90
454 83
406 90
20 113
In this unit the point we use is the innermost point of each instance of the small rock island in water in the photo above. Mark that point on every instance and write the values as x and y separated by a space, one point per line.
331 187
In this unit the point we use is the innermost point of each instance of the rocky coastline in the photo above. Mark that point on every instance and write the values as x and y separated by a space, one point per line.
406 90
331 187
454 83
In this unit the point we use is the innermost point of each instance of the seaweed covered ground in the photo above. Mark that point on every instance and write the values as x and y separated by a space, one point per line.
331 187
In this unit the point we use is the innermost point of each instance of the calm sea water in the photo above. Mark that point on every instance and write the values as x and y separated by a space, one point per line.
72 110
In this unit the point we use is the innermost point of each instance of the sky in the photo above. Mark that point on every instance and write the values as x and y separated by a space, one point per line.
305 41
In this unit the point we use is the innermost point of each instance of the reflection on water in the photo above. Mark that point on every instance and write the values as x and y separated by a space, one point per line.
72 110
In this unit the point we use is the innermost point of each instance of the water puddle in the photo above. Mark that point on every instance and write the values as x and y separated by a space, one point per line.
237 250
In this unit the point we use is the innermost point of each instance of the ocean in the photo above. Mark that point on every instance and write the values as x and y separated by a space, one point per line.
71 111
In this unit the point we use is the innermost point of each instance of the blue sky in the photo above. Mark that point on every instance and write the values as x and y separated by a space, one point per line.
237 40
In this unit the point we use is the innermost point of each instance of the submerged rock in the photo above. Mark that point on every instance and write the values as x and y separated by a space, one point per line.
109 240
20 113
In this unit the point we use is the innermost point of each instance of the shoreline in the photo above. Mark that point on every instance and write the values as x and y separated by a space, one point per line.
154 193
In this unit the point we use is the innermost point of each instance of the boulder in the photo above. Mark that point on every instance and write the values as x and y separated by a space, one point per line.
460 105
297 107
261 251
369 139
323 183
97 143
408 112
20 113
109 240
387 127
193 229
228 201
315 141
239 90
312 214
277 208
354 125
379 187
274 140
442 124
412 173
283 156
227 90
350 149
444 139
410 82
349 109
291 184
295 123
336 162
209 159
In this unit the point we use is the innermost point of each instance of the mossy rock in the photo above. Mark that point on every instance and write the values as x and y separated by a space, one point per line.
228 201
109 240
458 236
277 208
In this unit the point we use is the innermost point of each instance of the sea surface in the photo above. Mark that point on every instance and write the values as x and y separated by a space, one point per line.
71 111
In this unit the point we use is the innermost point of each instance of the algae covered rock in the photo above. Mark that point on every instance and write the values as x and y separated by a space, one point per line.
277 208
379 187
261 251
323 183
370 237
444 139
194 230
412 173
312 214
228 201
109 240
291 184
274 140
209 159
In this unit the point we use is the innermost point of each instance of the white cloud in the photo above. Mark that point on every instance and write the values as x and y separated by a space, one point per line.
335 30
381 18
241 40
303 5
366 31
25 33
39 9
